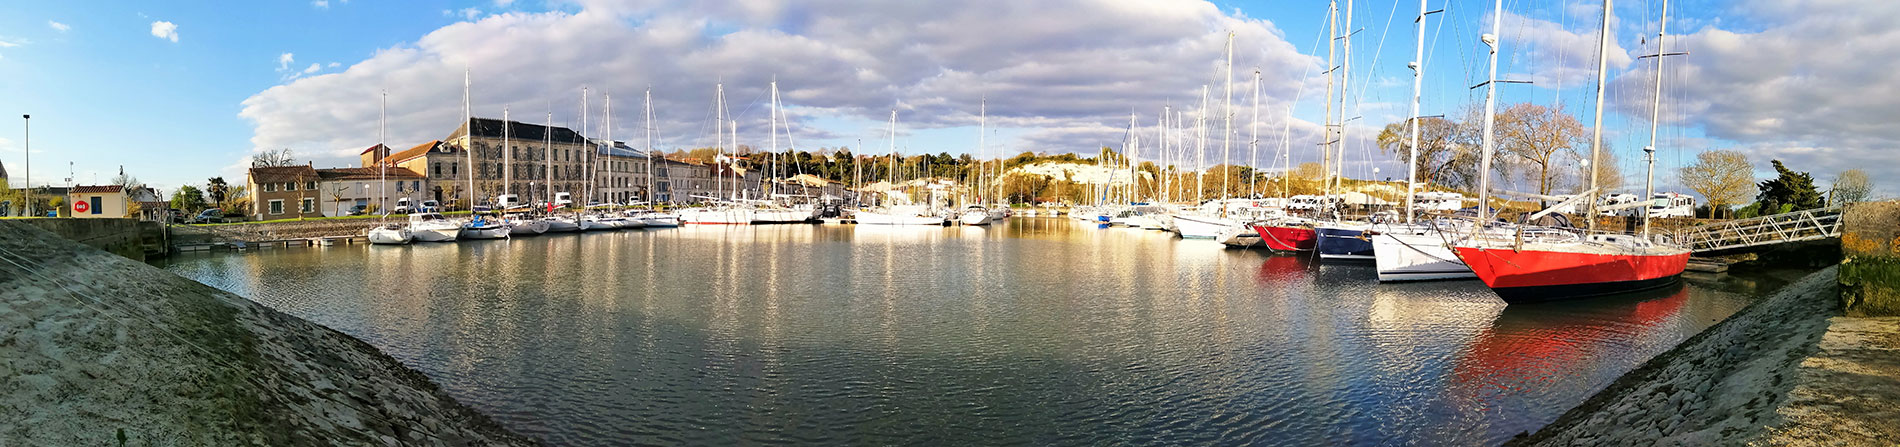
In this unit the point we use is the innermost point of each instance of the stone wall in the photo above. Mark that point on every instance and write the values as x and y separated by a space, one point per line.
123 237
1870 270
274 230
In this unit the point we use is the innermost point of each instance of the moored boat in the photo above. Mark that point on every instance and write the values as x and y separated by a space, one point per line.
390 234
432 227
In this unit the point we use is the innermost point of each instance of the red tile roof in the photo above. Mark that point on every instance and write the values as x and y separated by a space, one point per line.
413 152
367 174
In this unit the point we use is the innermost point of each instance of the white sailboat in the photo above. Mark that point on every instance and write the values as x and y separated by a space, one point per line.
518 224
1413 251
900 214
477 227
385 233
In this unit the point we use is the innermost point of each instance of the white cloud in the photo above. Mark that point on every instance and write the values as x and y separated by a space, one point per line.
4 43
284 60
320 4
333 65
313 68
503 3
1804 87
1554 57
1071 83
61 27
165 30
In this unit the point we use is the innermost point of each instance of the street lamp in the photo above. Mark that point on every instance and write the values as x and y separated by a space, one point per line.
29 163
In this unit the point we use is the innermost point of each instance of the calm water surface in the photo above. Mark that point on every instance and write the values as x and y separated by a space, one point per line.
1043 331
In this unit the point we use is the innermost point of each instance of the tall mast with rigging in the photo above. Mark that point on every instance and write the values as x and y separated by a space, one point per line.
1489 144
1655 117
1596 133
468 137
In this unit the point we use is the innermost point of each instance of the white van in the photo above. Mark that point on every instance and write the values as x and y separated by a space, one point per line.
506 201
1669 204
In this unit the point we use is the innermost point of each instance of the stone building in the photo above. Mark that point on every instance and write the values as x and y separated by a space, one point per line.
283 192
539 161
620 174
342 190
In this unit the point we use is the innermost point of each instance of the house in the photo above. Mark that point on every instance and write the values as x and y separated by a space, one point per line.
283 192
112 201
342 190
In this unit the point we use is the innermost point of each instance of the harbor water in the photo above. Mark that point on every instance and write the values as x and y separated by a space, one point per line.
1034 331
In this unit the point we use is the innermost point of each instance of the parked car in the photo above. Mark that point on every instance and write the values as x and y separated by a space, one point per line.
358 210
402 206
212 215
429 206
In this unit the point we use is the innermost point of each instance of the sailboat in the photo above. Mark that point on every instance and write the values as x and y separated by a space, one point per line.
478 226
557 223
720 210
518 224
1414 251
1339 239
432 227
386 233
1292 234
901 214
975 214
1542 264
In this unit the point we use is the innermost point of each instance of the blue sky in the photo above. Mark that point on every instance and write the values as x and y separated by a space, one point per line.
107 87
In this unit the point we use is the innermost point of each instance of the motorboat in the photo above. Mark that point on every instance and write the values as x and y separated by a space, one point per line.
520 225
975 215
432 227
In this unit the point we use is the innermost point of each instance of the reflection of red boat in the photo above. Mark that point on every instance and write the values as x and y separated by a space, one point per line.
1286 238
1280 269
1536 361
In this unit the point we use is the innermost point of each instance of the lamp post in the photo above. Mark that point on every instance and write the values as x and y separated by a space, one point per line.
29 163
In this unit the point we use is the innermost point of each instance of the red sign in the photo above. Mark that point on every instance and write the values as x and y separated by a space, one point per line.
80 206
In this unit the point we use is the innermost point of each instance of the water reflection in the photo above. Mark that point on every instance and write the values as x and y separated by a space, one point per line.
1039 331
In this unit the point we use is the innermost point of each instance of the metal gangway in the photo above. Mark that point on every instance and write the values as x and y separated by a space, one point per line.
1798 226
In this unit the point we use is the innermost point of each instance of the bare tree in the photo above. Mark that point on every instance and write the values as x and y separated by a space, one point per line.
1723 177
280 157
1445 155
1850 186
1538 139
1609 173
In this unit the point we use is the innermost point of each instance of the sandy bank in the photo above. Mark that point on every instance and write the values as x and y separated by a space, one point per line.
1721 387
96 349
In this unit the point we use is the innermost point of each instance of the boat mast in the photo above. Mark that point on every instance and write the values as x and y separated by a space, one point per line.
1332 71
1490 114
507 155
1253 141
983 152
771 187
468 137
1227 135
1200 177
1418 80
1345 91
382 173
893 149
719 139
1655 115
608 159
547 145
1596 136
587 167
649 112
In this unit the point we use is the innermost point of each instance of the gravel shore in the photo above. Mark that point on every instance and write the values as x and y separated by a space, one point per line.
1721 387
96 349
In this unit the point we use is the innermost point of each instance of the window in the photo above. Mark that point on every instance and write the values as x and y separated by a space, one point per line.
270 187
310 185
415 185
276 206
453 169
308 204
436 170
290 186
398 186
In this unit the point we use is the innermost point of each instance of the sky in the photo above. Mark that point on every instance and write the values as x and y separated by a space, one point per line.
175 93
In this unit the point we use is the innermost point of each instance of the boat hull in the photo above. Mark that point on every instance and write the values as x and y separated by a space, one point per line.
527 228
871 218
562 226
435 234
491 232
716 217
386 236
975 218
1342 244
1416 257
1289 239
1522 276
1197 227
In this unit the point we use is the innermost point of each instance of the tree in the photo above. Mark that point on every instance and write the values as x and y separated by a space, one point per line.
1849 187
1309 170
1445 156
1609 174
216 189
1539 138
1789 191
280 157
1722 177
188 199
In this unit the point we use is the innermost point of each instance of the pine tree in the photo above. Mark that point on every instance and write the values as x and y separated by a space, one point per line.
1789 191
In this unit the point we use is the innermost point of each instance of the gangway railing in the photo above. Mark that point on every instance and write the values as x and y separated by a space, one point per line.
1798 226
